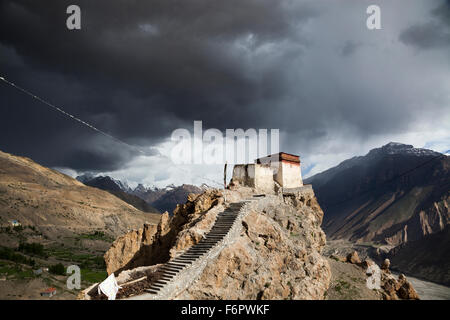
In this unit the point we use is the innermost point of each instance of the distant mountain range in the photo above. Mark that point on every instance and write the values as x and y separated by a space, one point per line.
118 189
395 194
148 199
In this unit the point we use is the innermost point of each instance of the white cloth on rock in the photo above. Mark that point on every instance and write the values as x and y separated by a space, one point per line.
109 287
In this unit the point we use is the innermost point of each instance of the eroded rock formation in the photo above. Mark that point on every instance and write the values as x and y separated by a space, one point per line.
152 244
276 255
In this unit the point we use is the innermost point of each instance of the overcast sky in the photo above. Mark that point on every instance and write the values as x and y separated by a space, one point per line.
140 69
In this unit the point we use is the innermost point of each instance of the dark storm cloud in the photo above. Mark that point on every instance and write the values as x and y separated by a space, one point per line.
349 48
431 34
140 69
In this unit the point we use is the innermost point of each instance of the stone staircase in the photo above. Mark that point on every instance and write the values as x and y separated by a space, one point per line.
169 271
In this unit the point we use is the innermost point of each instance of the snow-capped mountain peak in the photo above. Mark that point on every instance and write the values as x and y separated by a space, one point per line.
400 148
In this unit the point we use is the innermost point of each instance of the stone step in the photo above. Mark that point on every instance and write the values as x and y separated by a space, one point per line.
170 269
199 248
177 264
151 291
167 272
192 255
205 247
187 263
186 258
180 257
156 288
173 264
198 251
189 259
181 262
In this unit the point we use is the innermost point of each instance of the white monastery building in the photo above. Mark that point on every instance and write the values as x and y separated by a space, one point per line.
269 174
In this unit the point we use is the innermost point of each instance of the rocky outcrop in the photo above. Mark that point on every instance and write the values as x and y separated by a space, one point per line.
385 265
152 244
353 258
277 256
396 289
275 253
125 248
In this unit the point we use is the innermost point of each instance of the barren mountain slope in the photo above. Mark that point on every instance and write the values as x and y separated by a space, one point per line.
58 204
427 258
394 194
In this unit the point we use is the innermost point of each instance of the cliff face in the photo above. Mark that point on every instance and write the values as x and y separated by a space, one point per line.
274 253
152 244
427 258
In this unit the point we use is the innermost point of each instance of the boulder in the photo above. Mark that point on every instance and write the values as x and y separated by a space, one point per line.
353 257
385 265
367 263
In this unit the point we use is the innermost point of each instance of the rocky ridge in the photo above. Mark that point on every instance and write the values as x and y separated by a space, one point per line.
276 253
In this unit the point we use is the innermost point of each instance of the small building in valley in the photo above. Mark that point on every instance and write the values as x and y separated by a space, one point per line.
269 174
49 292
15 223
